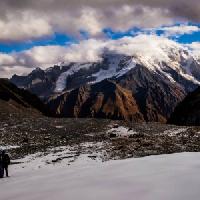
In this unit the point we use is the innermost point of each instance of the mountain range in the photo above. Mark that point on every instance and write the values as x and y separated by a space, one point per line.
148 83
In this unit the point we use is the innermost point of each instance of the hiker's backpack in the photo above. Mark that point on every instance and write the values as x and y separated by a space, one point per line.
6 159
1 168
1 171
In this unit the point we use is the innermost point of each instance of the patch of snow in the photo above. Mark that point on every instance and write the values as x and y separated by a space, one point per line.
36 81
8 147
114 61
127 68
91 144
59 127
61 82
169 77
57 157
121 131
175 131
112 71
187 65
168 177
45 160
103 74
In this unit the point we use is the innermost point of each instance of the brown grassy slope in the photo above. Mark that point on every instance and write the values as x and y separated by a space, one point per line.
101 100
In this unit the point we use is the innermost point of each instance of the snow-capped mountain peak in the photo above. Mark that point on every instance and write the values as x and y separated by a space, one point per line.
156 71
159 55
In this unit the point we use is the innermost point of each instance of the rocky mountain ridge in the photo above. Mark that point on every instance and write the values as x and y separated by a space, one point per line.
158 73
187 111
101 100
15 101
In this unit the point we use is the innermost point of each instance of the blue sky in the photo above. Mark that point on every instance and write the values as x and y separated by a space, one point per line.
189 38
55 39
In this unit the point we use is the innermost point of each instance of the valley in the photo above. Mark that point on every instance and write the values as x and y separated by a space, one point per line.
27 127
99 99
99 138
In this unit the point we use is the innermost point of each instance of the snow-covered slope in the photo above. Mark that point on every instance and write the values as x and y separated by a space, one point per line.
168 177
75 67
113 68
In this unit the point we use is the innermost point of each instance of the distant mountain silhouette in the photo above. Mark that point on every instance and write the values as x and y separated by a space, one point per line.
19 101
188 111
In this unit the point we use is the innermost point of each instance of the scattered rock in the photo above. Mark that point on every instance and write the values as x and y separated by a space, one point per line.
113 135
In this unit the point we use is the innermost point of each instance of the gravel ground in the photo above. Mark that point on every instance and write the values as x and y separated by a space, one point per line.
24 135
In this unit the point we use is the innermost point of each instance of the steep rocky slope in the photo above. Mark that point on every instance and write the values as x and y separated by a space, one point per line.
18 101
188 111
101 100
156 97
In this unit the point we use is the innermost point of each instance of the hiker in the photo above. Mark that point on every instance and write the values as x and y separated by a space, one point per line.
5 161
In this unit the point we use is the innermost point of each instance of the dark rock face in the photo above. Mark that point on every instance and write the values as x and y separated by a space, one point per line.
39 82
102 100
15 100
155 96
188 111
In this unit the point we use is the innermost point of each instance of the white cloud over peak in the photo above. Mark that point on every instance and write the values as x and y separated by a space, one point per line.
45 56
142 45
195 49
195 46
148 46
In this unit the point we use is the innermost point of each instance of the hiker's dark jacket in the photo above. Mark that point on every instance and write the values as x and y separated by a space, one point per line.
4 159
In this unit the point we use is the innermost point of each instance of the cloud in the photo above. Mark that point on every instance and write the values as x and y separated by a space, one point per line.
29 19
195 49
6 72
179 30
6 59
26 27
91 50
149 46
47 56
194 45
